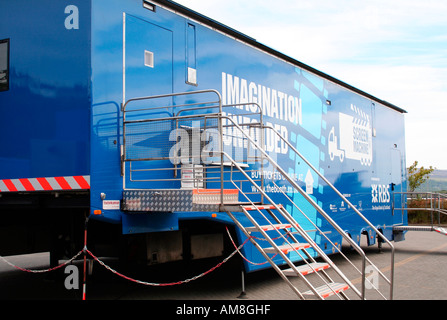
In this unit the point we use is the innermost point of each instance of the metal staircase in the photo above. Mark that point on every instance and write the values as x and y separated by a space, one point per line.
227 183
290 244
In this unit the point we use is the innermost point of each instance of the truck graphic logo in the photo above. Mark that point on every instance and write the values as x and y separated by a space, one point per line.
333 146
354 140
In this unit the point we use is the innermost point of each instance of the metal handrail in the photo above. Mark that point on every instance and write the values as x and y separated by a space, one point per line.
324 214
320 210
205 105
170 95
433 197
303 233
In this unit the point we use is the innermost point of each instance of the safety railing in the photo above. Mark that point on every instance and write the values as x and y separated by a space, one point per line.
176 144
430 202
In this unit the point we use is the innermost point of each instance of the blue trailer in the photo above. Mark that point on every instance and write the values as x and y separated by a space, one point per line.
165 126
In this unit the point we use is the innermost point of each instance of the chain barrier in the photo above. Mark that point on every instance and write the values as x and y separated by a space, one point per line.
240 253
85 250
159 284
242 256
43 270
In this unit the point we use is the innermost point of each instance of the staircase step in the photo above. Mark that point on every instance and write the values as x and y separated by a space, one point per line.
327 290
306 269
286 248
261 207
270 227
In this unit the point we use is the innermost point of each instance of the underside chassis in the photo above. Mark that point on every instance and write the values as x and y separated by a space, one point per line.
55 222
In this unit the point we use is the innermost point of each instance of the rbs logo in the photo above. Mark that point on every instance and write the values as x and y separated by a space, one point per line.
380 193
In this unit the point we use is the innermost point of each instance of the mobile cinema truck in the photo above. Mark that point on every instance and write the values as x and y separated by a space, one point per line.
167 129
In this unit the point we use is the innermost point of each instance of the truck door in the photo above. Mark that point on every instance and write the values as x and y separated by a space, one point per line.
396 184
148 63
147 71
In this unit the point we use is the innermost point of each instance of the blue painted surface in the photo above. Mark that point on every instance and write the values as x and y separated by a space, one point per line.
68 85
45 113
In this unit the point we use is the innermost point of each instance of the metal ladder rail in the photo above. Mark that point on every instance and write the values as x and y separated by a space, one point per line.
305 259
288 233
317 229
290 263
317 207
301 232
299 189
321 211
271 262
280 252
309 257
379 234
277 220
266 237
299 274
349 261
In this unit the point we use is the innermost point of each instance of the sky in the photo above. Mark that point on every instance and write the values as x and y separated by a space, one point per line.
394 50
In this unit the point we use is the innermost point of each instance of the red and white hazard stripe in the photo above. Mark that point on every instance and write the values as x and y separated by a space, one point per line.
45 184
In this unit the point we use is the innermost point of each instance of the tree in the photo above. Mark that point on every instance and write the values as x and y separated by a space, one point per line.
417 176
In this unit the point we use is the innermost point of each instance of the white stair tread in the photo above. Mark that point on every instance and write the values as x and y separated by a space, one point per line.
327 290
270 227
261 207
306 269
286 248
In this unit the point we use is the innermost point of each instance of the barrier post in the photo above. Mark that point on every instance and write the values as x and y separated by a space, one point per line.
84 284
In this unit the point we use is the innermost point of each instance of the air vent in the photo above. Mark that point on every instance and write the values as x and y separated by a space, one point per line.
148 59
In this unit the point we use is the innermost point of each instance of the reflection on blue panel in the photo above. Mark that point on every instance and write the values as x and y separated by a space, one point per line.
49 80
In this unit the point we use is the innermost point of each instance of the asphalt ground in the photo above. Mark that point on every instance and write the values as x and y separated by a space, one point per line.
419 275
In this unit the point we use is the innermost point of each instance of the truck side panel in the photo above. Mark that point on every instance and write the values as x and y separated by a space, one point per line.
45 111
355 141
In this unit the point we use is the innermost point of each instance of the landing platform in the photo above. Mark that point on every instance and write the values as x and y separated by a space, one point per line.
421 228
169 200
